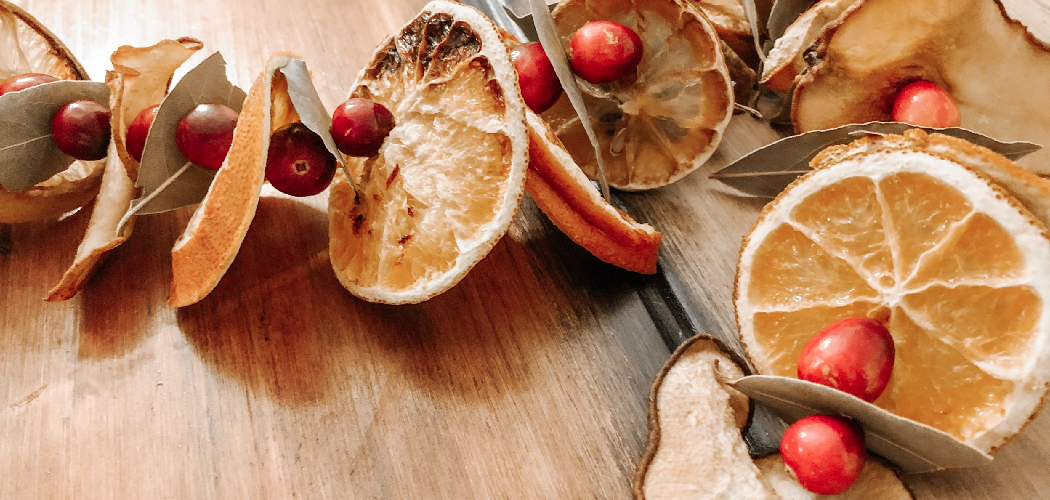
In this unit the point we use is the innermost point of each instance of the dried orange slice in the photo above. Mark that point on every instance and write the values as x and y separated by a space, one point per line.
139 79
26 46
659 125
443 189
573 204
895 229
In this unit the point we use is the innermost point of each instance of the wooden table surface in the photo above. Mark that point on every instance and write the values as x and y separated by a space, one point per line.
527 380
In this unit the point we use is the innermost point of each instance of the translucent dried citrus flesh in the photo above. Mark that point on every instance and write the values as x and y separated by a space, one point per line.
26 46
660 124
446 182
958 268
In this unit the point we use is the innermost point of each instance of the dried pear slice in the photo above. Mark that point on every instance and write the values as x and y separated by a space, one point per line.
991 65
139 79
665 121
26 46
786 60
876 481
695 448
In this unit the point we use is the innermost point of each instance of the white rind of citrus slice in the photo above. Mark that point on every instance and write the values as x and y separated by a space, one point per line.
658 125
956 265
446 183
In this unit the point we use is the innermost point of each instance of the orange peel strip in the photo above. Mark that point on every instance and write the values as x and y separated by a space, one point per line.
566 195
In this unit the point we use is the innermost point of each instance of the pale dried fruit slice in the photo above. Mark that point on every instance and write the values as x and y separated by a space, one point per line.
786 60
729 19
876 481
660 124
573 204
447 181
990 65
139 79
695 449
957 266
26 46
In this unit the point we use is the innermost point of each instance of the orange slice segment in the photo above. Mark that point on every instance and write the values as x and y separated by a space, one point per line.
444 187
889 229
657 126
573 204
26 46
139 79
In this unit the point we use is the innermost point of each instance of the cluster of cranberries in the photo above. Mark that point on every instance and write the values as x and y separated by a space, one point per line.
80 128
600 52
298 163
854 355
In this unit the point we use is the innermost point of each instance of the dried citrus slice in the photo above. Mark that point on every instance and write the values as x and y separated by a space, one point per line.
446 183
662 123
26 46
139 79
572 202
876 481
957 266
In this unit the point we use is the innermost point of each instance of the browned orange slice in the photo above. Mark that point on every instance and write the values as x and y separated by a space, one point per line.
573 204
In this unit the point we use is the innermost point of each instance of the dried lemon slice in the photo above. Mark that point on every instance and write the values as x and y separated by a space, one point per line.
895 228
446 183
26 46
659 125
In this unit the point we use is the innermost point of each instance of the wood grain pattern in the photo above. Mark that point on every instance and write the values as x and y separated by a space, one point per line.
527 380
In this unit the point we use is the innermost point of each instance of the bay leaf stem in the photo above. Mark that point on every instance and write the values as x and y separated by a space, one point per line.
164 185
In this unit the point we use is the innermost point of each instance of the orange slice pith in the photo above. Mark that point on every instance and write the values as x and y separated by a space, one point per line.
960 268
659 125
213 237
26 46
573 204
445 185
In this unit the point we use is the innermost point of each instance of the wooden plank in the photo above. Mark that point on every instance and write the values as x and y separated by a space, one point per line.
527 380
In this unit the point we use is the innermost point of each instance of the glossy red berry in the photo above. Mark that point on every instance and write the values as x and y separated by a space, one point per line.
138 130
539 83
298 162
925 104
81 130
359 126
826 453
24 81
604 51
854 355
205 134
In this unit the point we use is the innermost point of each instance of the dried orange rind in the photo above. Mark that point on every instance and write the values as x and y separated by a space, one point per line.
990 64
573 204
662 123
444 187
959 266
217 229
26 46
139 79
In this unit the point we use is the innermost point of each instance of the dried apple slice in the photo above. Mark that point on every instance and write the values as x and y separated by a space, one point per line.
573 204
786 60
729 18
139 79
26 46
994 69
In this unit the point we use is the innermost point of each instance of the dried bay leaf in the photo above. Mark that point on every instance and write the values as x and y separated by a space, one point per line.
912 446
162 189
766 171
520 8
28 152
